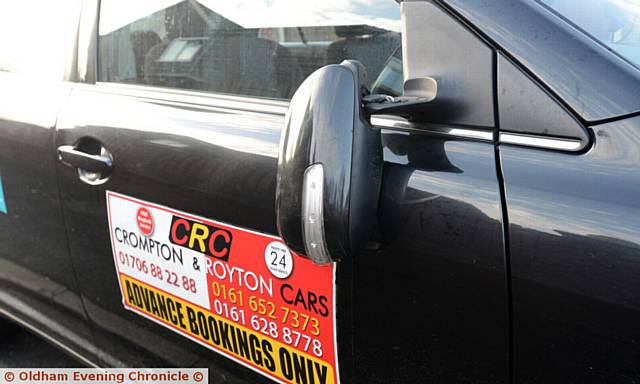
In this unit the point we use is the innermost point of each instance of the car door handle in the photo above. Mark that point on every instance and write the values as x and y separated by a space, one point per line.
82 160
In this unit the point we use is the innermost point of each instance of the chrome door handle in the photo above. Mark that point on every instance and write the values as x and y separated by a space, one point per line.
70 156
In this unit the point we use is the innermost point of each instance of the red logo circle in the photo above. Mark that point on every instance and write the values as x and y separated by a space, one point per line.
145 221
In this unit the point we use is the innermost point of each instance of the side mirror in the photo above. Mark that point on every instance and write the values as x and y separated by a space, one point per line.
329 166
416 98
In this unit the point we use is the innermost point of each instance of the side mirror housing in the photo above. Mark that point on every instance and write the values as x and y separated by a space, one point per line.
416 99
329 166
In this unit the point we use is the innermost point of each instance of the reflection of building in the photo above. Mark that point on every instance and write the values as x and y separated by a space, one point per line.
187 45
130 51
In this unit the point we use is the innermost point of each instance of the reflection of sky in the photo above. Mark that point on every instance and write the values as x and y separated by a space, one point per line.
477 192
476 186
553 213
119 13
573 71
591 194
18 100
239 132
244 131
613 22
36 38
267 13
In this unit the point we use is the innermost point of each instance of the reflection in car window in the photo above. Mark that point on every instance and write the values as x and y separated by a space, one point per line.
247 47
36 37
615 23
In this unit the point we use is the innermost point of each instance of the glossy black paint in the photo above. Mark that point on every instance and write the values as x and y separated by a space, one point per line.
574 222
525 107
37 280
324 125
460 61
430 305
591 80
441 235
428 300
210 162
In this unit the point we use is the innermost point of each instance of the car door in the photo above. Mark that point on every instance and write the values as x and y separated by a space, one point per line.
176 145
38 287
568 151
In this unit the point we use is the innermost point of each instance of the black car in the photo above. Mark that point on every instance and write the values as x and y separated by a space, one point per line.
326 191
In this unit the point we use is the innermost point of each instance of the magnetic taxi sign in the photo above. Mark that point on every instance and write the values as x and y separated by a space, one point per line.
238 292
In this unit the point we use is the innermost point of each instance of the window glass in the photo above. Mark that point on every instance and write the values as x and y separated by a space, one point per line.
263 48
37 36
615 23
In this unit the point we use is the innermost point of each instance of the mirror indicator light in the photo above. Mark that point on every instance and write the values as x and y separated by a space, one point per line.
312 215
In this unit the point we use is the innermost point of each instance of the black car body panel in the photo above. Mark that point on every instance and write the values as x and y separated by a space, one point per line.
573 225
37 277
506 247
212 162
591 80
435 293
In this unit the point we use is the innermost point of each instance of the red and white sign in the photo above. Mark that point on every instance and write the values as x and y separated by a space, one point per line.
238 292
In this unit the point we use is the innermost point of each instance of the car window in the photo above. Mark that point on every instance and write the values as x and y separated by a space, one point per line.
615 23
262 48
37 43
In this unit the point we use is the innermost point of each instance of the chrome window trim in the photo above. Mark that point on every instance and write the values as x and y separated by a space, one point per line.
395 123
538 141
217 101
